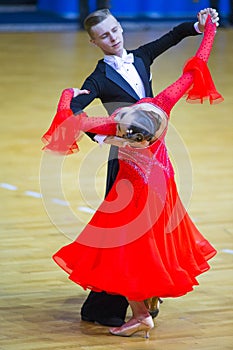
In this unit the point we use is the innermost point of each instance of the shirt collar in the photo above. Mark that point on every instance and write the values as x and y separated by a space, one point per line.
116 61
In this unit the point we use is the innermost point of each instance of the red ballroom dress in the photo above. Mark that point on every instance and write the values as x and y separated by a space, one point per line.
141 242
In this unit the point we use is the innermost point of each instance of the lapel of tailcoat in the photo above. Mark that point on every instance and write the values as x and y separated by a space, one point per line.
122 83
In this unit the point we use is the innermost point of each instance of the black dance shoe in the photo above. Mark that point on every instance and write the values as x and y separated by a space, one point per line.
153 305
154 313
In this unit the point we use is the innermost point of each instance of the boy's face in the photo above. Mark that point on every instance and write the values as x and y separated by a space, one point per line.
107 35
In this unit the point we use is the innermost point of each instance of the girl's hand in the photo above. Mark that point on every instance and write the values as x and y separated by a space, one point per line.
214 16
202 16
77 92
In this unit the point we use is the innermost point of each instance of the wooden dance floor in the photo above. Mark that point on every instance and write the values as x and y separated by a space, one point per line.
45 201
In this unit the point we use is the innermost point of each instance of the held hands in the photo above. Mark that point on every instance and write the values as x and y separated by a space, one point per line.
202 16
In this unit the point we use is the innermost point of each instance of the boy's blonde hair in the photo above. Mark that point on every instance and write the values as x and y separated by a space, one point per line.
94 18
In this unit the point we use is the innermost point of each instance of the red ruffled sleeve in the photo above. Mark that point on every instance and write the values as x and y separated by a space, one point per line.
203 86
60 137
62 134
66 128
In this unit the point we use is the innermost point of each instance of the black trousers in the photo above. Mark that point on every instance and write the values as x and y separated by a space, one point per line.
103 305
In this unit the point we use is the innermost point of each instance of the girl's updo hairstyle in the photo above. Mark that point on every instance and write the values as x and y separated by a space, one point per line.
143 127
145 121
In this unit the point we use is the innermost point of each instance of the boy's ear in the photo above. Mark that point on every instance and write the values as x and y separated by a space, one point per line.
92 41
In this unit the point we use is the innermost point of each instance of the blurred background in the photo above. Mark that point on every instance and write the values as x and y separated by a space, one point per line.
26 14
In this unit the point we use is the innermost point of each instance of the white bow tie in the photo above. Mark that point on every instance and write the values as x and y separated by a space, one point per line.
119 61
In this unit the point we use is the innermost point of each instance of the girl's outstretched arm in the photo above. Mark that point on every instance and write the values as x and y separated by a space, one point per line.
195 72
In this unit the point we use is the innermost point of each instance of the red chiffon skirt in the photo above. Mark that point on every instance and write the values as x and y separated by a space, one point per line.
120 253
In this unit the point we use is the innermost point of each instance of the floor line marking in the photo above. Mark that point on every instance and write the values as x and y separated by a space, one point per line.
8 186
60 202
86 210
228 251
33 194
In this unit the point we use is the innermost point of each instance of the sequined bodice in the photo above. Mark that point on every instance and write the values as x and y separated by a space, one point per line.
147 161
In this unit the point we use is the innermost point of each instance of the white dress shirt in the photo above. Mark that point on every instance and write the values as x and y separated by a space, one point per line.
124 66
